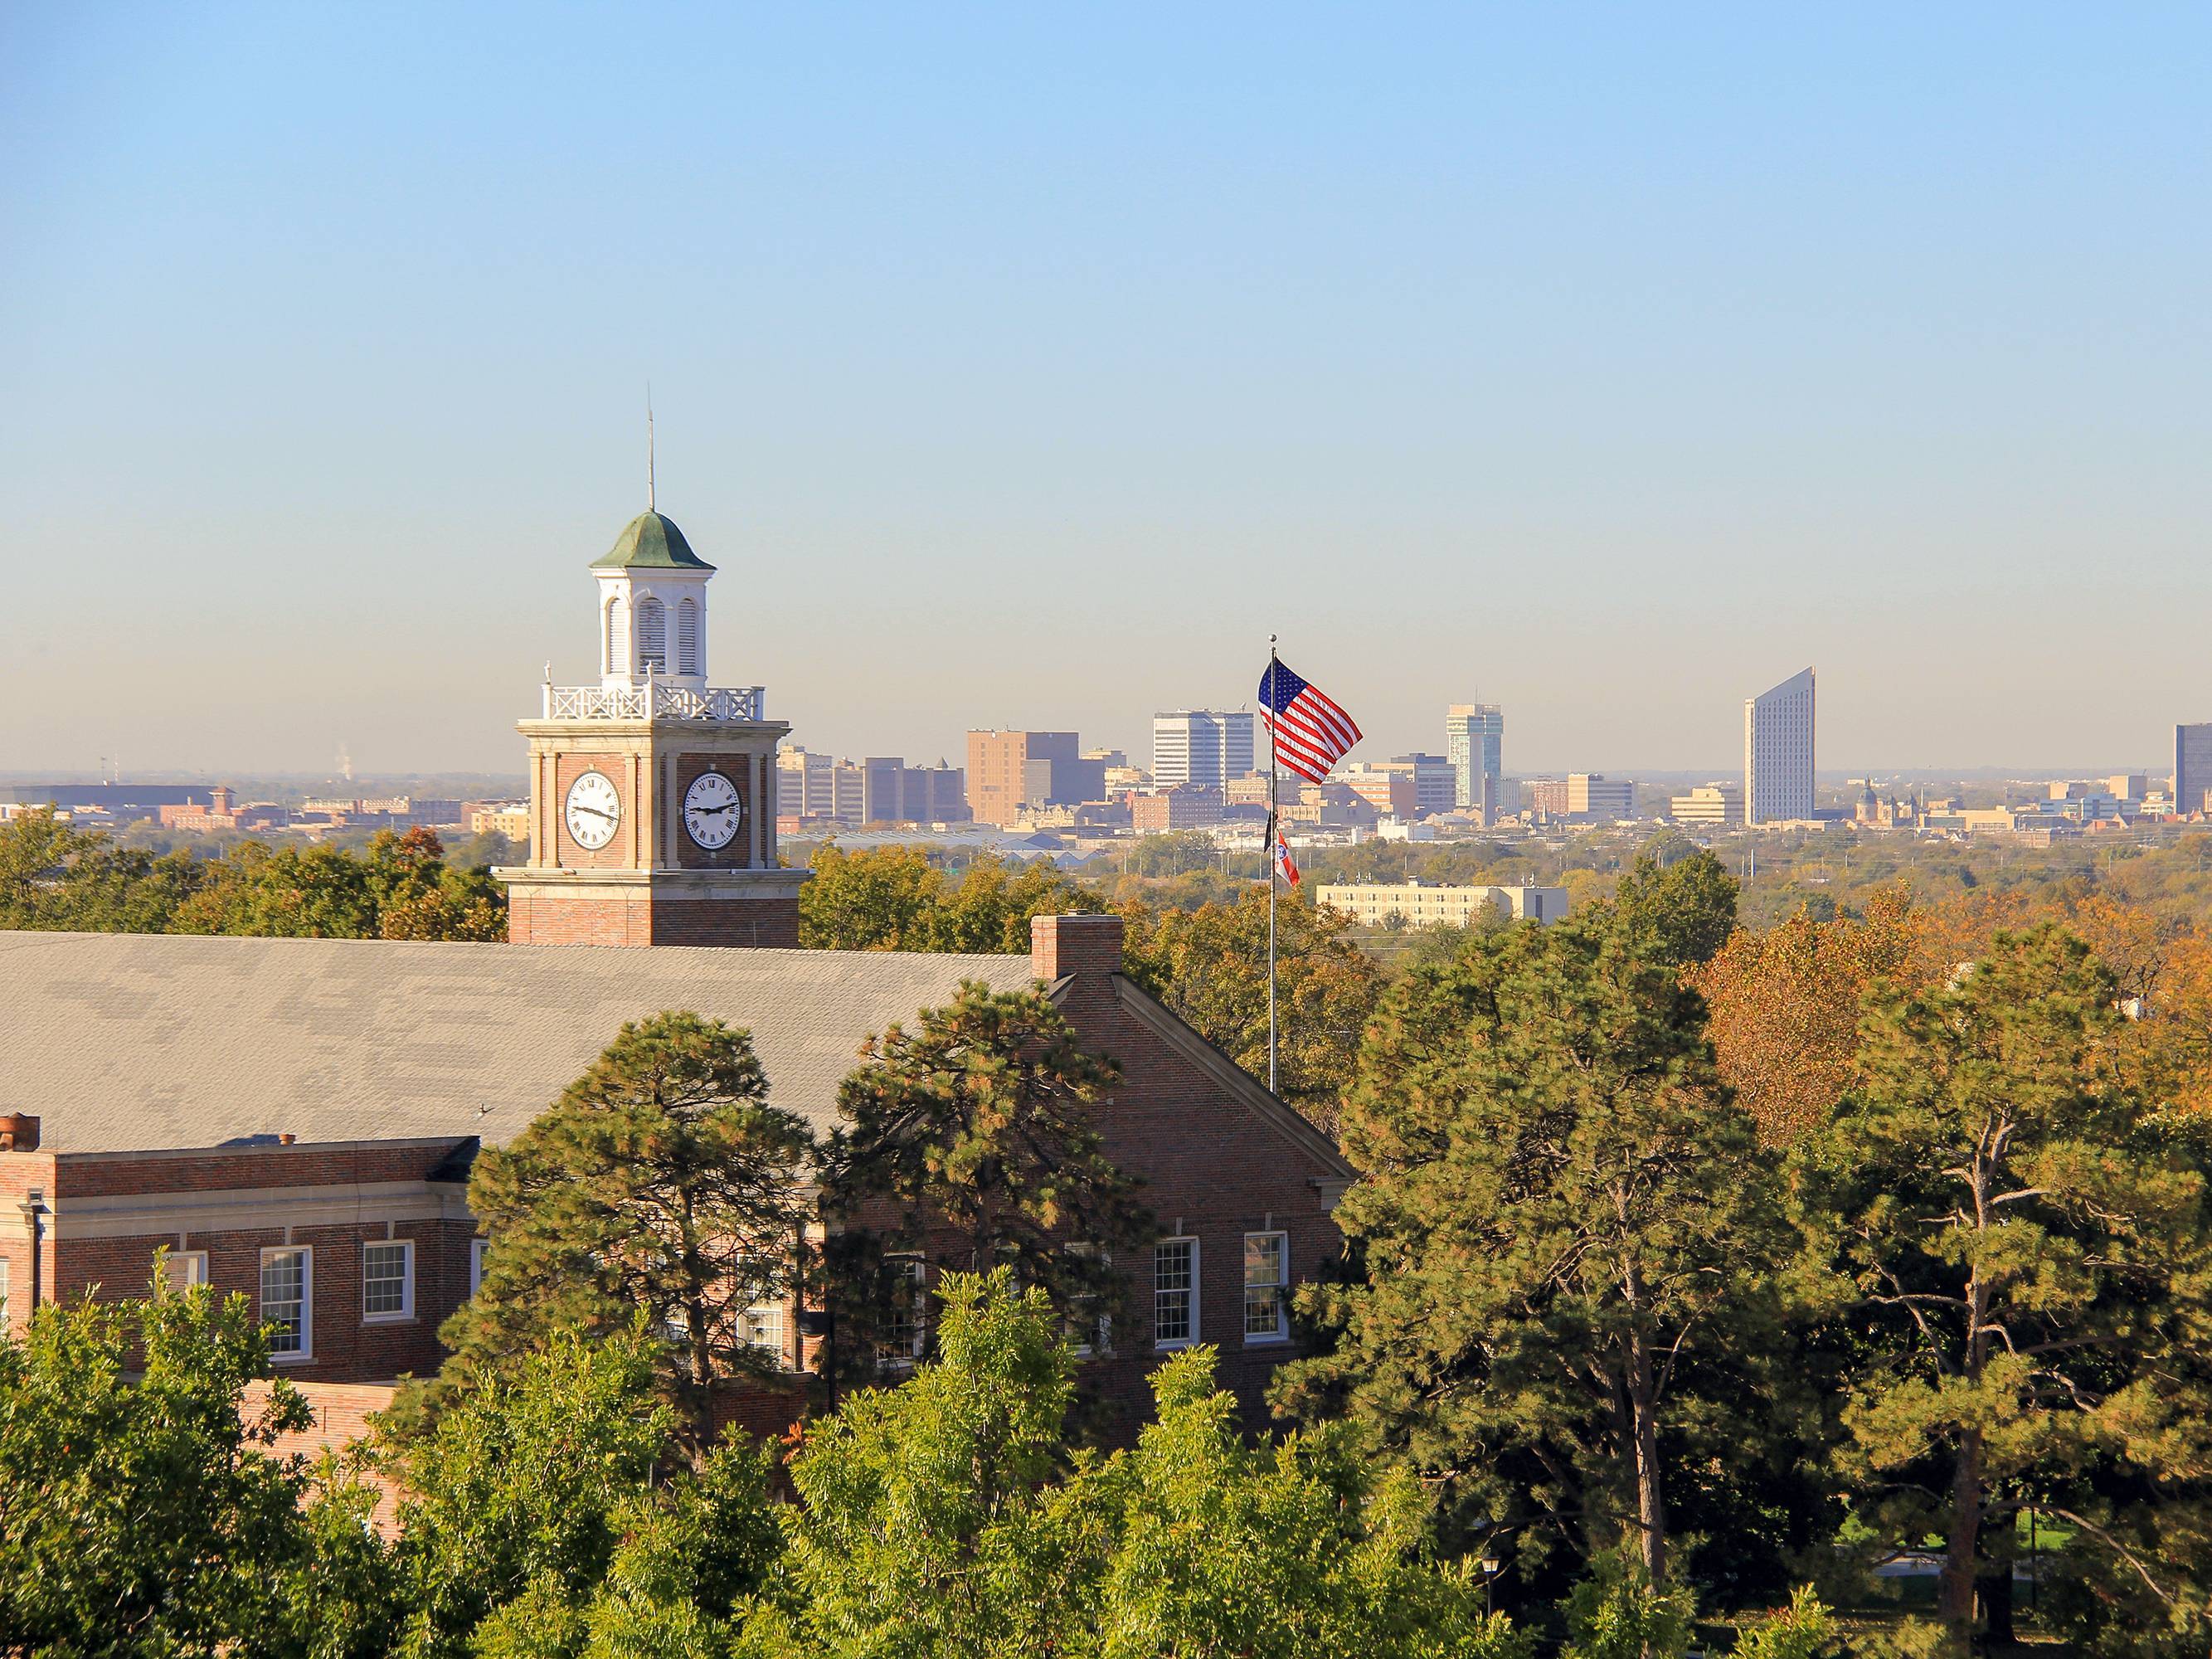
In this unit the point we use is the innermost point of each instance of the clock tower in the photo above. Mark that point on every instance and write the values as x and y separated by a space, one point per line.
652 796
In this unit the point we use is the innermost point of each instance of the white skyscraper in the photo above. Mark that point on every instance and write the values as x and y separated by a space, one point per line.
1777 752
1474 744
1200 745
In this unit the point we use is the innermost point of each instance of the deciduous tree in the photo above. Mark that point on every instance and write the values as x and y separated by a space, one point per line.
1785 1009
1210 966
145 1509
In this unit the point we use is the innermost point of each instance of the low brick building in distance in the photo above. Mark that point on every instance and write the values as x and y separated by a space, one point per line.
295 1120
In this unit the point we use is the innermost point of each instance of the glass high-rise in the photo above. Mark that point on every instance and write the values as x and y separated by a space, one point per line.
1474 744
1777 752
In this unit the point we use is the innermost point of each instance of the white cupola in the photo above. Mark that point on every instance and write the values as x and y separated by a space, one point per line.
653 607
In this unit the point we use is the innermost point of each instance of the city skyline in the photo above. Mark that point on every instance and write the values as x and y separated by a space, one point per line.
1476 357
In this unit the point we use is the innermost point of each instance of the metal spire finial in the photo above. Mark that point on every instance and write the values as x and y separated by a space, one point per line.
649 503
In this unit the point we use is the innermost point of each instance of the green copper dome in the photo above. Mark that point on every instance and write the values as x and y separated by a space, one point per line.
652 542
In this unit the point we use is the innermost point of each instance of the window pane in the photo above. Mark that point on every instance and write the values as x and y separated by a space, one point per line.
906 1332
1174 1281
1263 1259
384 1280
284 1299
1266 1276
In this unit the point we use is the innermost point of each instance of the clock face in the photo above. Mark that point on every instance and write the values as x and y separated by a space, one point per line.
592 811
712 811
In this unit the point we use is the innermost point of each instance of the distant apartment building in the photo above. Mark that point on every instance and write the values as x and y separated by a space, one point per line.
1183 806
1590 797
1389 790
1709 803
2128 786
1598 798
510 819
1435 782
1251 789
818 786
1547 797
2192 767
1010 771
1777 752
1474 748
891 791
222 810
1418 904
1200 745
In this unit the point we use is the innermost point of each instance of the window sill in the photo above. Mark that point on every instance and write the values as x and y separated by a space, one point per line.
1274 1341
388 1318
291 1359
1176 1347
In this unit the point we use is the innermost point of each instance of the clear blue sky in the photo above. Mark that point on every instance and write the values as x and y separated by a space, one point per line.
1027 365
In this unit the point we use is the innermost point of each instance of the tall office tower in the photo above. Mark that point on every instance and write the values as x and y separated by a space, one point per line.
1474 744
1200 745
1009 772
2192 767
1777 752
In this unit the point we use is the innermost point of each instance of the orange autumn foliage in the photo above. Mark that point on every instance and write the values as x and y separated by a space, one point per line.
1785 1009
1786 1004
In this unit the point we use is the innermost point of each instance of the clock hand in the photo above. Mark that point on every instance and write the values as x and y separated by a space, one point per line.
595 813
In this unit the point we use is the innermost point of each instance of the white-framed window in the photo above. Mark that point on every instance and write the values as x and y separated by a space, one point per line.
651 637
687 637
766 1328
387 1279
7 1268
1267 1287
1175 1292
1089 1330
287 1301
184 1270
476 1264
906 1316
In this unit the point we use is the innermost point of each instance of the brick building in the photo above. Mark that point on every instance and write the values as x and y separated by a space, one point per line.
1009 772
295 1119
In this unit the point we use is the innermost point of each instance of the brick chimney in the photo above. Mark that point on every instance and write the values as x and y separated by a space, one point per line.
1061 945
19 1132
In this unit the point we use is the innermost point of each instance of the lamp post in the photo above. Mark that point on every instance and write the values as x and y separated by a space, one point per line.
1492 1566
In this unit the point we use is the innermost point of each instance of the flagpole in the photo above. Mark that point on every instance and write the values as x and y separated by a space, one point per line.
1273 832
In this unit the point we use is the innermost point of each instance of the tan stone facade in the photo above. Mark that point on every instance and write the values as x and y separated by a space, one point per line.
653 882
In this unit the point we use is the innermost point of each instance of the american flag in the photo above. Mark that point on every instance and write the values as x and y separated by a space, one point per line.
1284 861
1311 734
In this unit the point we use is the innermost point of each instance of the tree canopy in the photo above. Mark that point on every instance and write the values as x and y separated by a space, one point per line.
55 876
2026 1258
663 1185
1210 966
894 898
1567 1234
972 1137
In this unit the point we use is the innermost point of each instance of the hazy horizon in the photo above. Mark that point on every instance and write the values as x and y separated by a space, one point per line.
1029 368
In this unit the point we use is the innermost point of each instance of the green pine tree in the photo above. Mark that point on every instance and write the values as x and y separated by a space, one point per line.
1569 1234
661 1183
2028 1260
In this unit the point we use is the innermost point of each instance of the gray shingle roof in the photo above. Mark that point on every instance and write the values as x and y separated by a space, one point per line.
124 1042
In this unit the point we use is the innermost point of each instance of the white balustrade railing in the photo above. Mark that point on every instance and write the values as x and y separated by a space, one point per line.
655 700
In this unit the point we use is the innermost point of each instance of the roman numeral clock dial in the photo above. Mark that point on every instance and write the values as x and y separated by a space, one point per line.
592 811
712 811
